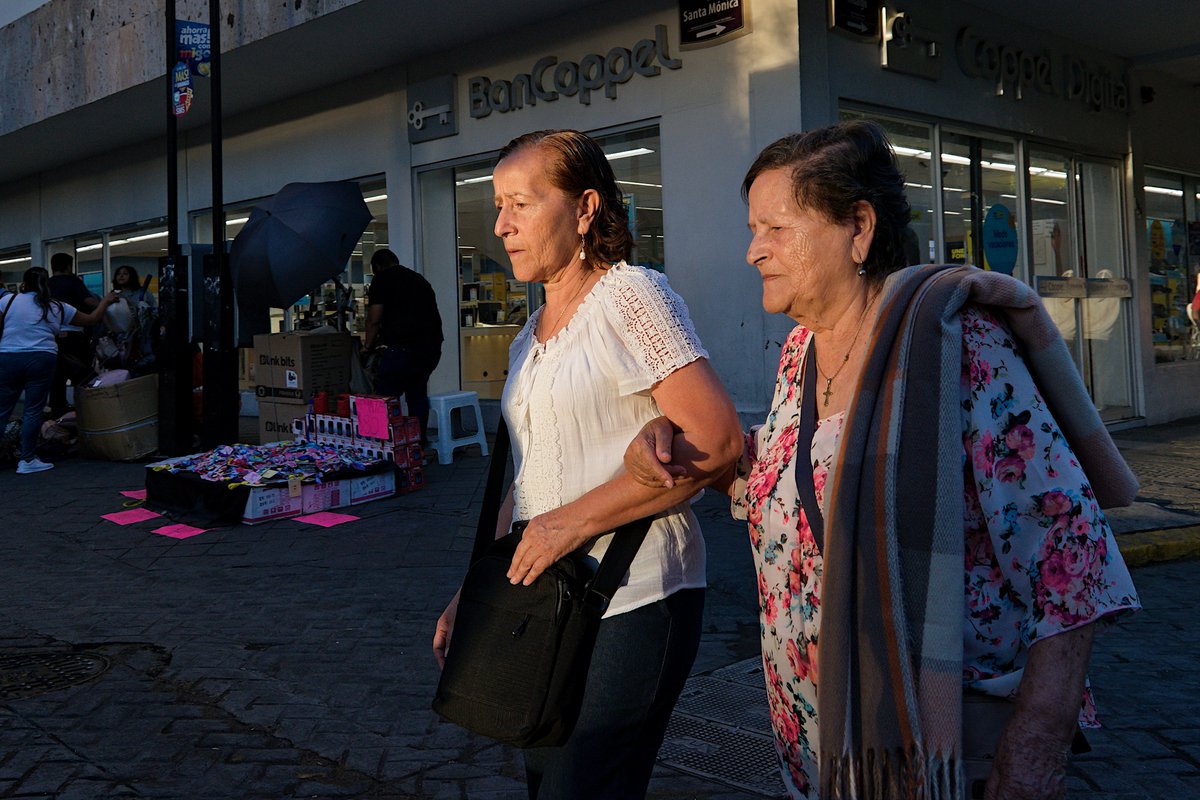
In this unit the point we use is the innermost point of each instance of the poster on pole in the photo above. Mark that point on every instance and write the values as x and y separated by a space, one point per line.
181 91
193 43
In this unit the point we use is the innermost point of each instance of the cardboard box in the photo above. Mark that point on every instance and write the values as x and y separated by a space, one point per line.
119 422
322 496
271 502
275 420
372 487
294 366
277 502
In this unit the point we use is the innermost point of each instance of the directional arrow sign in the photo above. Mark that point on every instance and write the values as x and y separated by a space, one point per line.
856 18
703 23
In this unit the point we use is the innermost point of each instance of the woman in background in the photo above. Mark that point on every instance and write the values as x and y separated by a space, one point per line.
29 352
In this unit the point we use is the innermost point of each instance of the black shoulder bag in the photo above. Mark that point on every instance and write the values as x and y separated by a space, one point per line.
518 657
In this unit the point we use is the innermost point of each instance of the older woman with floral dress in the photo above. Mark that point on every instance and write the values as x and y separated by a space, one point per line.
923 499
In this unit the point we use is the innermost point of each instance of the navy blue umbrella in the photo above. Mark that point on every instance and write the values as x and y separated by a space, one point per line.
297 240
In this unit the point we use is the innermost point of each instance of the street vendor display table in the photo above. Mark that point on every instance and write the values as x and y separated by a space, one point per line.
256 483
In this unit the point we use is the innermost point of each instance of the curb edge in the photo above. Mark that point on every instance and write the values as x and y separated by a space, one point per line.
1153 547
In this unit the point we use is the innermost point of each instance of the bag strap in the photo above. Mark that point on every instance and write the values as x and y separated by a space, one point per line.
485 532
4 316
805 485
626 541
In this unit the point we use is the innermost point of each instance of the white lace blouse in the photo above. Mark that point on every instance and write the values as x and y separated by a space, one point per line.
574 403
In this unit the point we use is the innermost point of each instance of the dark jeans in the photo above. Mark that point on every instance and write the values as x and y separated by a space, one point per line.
74 362
405 371
641 661
31 373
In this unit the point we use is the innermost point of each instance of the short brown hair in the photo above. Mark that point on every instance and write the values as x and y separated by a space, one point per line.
833 168
576 164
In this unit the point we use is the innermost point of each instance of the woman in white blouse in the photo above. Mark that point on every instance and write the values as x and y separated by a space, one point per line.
612 348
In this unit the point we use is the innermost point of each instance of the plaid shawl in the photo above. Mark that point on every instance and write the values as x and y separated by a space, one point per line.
891 646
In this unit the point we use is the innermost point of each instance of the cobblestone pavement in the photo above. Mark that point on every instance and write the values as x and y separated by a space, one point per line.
287 660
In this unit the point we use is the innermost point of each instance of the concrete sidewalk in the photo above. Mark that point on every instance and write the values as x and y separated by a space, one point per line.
286 660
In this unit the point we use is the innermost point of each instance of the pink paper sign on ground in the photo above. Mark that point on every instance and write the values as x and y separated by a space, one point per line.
136 494
131 516
372 417
178 531
327 519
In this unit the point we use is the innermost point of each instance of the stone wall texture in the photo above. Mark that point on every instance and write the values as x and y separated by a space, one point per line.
69 53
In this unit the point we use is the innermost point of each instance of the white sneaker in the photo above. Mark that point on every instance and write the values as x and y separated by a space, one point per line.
33 465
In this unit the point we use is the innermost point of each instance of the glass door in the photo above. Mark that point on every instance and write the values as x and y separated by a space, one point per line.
1106 311
1080 270
979 202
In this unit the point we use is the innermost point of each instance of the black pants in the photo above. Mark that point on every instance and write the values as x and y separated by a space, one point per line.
639 666
74 362
405 371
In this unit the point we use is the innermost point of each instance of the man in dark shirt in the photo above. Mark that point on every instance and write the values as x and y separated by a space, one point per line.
74 343
402 315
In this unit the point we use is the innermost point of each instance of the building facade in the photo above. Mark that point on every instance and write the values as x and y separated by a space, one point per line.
1025 150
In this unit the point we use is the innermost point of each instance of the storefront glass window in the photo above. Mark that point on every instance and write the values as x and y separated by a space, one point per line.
13 264
911 142
1171 286
139 248
89 263
492 304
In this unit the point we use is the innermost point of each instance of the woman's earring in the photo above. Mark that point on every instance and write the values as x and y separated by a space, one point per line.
582 253
862 271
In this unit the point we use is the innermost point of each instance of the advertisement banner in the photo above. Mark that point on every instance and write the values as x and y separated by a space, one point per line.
192 40
181 95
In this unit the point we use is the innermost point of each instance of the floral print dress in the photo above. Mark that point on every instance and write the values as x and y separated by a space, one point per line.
1040 558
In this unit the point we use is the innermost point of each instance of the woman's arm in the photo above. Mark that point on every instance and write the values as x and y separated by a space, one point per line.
709 441
86 318
444 629
1032 758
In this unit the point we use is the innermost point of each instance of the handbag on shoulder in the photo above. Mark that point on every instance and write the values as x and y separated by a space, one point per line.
518 658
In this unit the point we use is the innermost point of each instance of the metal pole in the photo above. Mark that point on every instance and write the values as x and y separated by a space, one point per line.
173 357
220 357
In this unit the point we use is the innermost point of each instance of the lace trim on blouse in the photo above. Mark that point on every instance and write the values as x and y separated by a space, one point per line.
654 326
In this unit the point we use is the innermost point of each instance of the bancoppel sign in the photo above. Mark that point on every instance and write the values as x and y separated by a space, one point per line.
431 105
549 78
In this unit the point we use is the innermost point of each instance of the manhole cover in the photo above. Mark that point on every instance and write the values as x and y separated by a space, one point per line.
749 672
734 704
742 759
35 673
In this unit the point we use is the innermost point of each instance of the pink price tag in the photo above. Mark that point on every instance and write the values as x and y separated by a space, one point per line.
131 516
178 531
372 418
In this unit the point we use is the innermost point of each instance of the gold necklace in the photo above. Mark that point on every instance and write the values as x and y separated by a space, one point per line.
554 329
846 358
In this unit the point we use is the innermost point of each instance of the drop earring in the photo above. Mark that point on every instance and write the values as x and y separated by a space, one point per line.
862 270
582 253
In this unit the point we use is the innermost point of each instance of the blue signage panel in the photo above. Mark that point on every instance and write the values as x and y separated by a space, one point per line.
1000 239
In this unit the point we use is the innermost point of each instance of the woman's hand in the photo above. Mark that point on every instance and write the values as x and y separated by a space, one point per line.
547 538
648 456
1030 764
444 630
86 318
